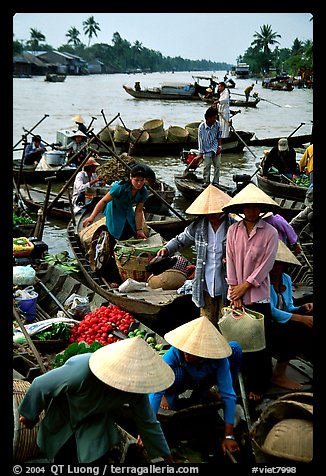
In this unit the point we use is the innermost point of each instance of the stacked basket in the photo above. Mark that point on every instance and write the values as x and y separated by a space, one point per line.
177 134
155 129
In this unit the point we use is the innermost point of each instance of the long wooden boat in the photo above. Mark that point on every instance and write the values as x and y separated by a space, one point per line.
233 102
281 189
191 186
24 224
166 225
30 175
294 141
166 148
173 92
54 78
162 309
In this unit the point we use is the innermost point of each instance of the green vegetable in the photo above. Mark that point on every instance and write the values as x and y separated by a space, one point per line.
74 349
55 332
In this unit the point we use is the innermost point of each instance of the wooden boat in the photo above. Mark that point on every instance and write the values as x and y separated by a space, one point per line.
54 78
34 199
280 187
30 175
162 309
233 102
278 83
294 141
167 226
191 186
166 148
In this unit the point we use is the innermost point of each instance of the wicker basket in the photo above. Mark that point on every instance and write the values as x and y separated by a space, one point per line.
157 136
154 126
192 128
24 440
132 261
177 134
121 134
104 135
139 135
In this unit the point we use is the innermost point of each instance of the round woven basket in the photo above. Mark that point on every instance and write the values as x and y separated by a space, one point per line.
154 126
192 128
104 135
121 134
157 136
177 134
139 135
24 440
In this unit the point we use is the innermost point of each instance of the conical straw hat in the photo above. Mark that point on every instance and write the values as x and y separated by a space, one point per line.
291 438
79 133
131 365
251 195
78 119
211 200
199 337
285 255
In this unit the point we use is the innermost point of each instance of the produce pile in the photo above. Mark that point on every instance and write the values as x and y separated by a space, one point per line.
21 220
114 170
63 261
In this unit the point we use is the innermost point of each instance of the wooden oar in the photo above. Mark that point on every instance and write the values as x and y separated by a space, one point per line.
148 186
34 127
262 99
28 338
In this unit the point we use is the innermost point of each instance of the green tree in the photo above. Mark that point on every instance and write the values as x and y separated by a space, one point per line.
265 38
90 27
36 37
73 35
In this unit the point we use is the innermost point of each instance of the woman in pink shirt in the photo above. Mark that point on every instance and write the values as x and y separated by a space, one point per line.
250 254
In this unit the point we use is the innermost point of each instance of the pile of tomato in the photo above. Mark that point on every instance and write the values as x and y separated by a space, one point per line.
97 325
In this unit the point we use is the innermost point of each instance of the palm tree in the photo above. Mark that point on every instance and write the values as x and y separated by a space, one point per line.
265 38
90 26
73 35
36 38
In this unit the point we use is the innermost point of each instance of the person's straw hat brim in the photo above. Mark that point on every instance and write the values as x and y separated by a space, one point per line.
285 255
211 200
79 134
201 338
78 119
251 195
91 161
131 365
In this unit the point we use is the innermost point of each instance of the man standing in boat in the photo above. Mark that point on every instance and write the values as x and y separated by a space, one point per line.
210 145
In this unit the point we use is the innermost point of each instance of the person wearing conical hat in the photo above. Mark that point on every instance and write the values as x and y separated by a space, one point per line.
80 123
292 326
76 150
208 234
201 358
250 254
84 179
82 398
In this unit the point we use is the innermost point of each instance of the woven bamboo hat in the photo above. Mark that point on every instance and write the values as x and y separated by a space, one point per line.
285 255
131 365
251 195
211 200
292 439
79 134
91 161
78 119
199 337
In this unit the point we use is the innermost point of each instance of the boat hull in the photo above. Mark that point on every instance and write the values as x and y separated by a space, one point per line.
283 190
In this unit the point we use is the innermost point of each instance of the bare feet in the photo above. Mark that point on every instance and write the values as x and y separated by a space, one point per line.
164 404
255 397
284 382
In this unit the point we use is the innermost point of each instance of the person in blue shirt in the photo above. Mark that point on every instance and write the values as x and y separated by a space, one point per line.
210 145
34 151
201 358
75 405
292 326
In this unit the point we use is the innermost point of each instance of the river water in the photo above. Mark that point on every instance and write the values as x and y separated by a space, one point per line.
279 113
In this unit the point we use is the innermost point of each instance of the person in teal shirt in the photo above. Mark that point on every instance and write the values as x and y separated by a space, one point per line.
81 398
121 220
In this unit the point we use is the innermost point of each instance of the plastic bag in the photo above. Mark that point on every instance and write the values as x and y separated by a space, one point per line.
77 306
131 285
23 275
